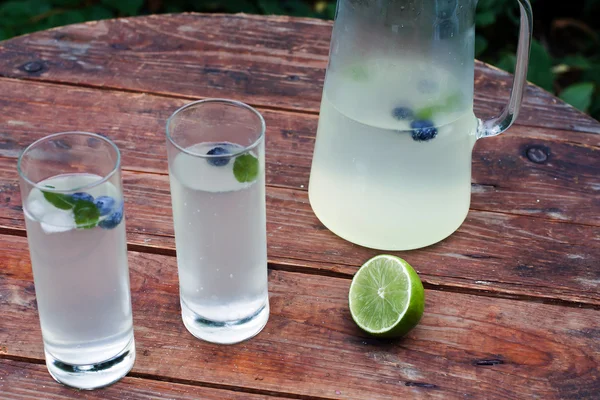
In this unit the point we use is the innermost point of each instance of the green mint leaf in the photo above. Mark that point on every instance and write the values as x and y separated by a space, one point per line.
58 200
245 168
453 102
428 112
450 104
358 73
86 214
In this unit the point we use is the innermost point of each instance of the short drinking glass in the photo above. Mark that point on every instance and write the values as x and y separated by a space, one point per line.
73 205
216 168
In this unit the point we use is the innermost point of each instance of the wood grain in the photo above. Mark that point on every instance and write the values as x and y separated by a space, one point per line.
532 233
529 171
24 380
311 347
266 61
500 253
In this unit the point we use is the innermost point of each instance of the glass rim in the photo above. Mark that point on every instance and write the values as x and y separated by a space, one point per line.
236 103
69 133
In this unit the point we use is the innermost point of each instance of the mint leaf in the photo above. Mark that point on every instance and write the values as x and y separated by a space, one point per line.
58 200
86 214
429 112
453 102
245 168
358 73
450 104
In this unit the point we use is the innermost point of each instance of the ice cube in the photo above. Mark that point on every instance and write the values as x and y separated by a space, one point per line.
58 221
38 208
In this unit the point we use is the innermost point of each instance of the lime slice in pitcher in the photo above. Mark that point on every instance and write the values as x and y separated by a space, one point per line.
386 297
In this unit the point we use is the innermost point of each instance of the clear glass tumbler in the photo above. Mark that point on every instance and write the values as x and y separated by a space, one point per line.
73 205
216 168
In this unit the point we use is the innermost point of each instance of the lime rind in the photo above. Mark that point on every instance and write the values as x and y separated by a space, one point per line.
386 297
378 313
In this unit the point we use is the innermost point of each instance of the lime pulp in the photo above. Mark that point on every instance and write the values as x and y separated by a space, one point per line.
386 297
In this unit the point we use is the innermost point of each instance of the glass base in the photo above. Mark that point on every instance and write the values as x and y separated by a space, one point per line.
93 376
228 332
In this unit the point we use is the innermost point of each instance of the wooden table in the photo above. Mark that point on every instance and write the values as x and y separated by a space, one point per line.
513 297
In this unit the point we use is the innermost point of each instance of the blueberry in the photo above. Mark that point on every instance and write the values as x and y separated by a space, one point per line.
218 161
423 130
402 113
105 204
113 219
82 196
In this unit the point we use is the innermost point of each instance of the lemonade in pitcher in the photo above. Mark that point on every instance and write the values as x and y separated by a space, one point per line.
391 167
401 163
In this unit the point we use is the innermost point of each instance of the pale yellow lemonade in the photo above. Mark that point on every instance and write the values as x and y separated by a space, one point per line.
376 180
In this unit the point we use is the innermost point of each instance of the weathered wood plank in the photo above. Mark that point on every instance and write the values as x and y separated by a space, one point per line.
506 254
310 346
266 61
136 122
22 380
510 172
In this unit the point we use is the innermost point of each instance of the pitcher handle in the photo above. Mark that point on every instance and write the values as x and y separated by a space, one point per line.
499 124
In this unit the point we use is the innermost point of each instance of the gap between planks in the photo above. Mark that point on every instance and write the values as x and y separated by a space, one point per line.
284 187
296 268
187 382
108 88
562 221
267 107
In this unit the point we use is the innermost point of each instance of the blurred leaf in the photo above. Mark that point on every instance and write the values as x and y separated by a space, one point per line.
20 12
170 8
4 34
514 14
507 62
330 12
485 5
298 8
270 7
173 6
231 6
485 18
577 61
66 18
283 7
481 45
595 107
125 7
98 12
540 66
67 3
592 74
579 95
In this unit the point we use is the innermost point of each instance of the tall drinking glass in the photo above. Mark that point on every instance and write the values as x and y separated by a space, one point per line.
73 205
216 168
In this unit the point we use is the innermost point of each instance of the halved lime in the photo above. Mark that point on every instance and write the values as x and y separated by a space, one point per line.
386 297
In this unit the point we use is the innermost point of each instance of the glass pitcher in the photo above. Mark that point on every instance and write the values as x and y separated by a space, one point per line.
391 168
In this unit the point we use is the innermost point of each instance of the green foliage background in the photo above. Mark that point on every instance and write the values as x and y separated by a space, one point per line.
565 55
